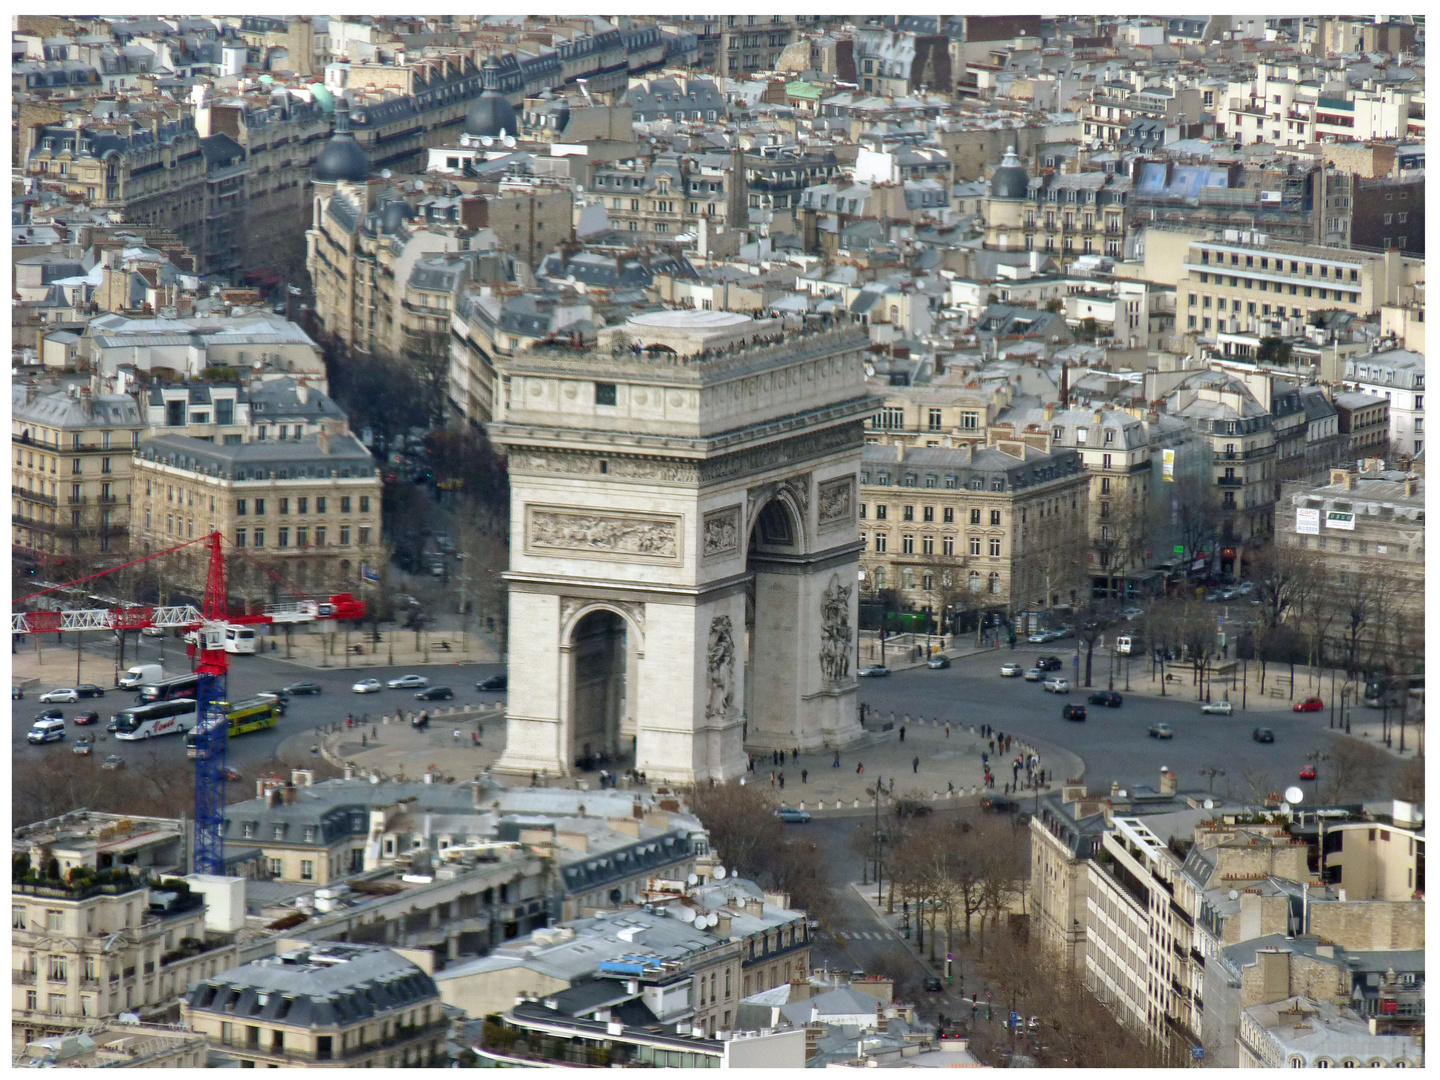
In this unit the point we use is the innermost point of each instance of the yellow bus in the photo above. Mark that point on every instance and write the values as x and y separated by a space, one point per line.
252 714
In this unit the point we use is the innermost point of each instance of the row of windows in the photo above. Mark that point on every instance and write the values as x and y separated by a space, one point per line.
1279 267
76 464
952 483
927 544
927 580
927 513
893 419
1310 292
302 504
256 537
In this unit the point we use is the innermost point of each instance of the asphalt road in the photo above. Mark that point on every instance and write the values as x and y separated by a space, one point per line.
248 676
1113 743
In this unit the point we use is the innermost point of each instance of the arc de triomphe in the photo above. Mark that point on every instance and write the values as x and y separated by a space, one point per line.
684 545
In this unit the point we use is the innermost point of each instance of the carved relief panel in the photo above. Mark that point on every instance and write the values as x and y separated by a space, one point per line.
596 535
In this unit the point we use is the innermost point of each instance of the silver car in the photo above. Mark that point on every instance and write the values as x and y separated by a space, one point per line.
1057 685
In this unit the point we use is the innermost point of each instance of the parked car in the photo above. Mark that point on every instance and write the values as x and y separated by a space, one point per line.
793 816
933 985
89 689
1220 708
299 688
50 714
1049 663
114 761
1057 685
408 682
1034 675
1040 637
435 693
1062 632
1131 613
494 682
1263 734
1128 644
16 693
937 663
1310 704
1011 671
1161 731
997 804
85 719
1109 698
1307 773
873 671
60 693
912 808
1073 712
367 686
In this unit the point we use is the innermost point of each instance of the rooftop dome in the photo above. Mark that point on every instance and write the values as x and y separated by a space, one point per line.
490 114
342 158
1010 180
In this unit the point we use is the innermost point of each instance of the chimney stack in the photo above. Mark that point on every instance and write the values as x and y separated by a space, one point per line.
1412 483
1168 784
900 449
291 793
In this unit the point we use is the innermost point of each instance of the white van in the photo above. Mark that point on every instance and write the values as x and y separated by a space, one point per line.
43 731
141 673
1125 644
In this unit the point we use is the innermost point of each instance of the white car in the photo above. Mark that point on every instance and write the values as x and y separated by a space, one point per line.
367 686
1223 708
152 631
1011 671
407 682
1040 637
1132 613
1034 675
61 694
1057 685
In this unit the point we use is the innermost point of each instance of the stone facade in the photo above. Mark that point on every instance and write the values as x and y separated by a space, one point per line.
682 582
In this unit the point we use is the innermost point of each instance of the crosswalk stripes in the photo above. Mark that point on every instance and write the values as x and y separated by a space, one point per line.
869 935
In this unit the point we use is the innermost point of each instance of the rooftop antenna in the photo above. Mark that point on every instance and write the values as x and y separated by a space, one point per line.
585 90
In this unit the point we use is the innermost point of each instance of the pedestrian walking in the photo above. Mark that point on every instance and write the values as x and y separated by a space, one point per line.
1007 789
474 739
456 736
992 746
782 779
915 765
772 778
950 786
859 767
795 754
902 732
837 760
362 739
804 776
947 731
892 785
375 731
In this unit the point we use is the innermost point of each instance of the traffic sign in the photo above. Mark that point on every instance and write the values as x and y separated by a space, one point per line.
1179 549
1198 1053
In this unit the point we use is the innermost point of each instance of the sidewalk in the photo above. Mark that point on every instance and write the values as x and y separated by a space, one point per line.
337 647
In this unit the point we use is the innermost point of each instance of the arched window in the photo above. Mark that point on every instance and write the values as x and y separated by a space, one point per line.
879 577
994 584
974 581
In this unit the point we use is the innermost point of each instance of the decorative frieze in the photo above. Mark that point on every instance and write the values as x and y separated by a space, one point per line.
835 503
595 535
721 532
532 462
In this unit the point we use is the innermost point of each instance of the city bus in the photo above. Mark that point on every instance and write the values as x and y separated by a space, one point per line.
252 714
182 686
240 639
1390 691
159 718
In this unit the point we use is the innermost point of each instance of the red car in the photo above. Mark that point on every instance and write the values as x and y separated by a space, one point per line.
85 718
1310 704
1307 773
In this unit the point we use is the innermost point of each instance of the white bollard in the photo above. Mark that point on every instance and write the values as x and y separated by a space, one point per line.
857 804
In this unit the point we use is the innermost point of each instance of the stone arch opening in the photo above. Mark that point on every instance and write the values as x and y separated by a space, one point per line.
602 666
771 605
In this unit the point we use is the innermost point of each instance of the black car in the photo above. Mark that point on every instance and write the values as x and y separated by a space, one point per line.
934 985
16 693
998 805
298 688
1050 663
1263 734
1073 712
89 690
435 693
1106 697
494 682
50 714
911 808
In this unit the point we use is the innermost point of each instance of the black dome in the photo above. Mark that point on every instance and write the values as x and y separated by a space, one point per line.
490 114
342 158
1010 180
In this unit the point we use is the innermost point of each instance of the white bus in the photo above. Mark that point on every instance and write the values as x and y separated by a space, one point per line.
161 718
239 639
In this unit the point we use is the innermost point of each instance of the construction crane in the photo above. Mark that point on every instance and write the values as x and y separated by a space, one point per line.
208 625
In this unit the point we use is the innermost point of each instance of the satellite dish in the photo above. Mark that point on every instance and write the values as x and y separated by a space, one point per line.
712 919
687 914
1294 796
1284 808
1209 804
385 174
692 879
1234 895
720 873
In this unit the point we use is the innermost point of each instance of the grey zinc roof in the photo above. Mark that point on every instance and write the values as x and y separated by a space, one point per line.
58 409
325 986
844 1001
257 460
